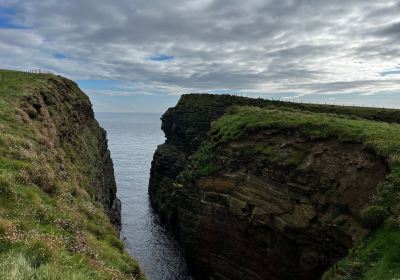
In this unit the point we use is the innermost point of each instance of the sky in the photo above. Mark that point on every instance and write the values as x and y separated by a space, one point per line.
140 56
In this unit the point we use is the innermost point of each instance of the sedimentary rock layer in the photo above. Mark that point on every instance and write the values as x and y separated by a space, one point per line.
281 206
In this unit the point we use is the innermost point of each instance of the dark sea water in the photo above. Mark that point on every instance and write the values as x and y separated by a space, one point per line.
132 139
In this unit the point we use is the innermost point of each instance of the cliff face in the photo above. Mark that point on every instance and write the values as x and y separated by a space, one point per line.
64 113
59 213
262 202
293 218
185 127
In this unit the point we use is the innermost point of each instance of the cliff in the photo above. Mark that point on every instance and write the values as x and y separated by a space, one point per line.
279 190
59 214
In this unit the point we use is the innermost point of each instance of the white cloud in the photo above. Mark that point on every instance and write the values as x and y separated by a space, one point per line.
259 47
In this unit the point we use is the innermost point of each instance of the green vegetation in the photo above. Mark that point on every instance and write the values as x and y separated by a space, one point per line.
382 137
50 225
373 216
204 161
376 257
203 101
292 158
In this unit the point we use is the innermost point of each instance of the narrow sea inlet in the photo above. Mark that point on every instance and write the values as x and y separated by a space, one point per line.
133 138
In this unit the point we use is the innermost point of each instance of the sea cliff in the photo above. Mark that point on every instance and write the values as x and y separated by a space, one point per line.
257 189
59 214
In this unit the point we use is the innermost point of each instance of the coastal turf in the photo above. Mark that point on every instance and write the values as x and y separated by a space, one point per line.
50 227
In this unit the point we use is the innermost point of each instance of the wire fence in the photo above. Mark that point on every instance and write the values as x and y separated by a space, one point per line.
331 103
347 104
6 76
39 71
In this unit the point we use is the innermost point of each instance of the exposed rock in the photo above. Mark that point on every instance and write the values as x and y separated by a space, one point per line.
267 226
185 127
115 214
257 218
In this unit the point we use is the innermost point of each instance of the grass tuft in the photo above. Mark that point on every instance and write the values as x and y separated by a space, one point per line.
373 216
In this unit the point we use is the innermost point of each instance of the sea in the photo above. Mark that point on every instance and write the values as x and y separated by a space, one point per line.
132 140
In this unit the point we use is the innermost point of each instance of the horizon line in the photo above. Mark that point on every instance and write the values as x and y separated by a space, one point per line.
125 112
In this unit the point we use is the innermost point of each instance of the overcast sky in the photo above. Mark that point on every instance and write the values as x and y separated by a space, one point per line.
136 55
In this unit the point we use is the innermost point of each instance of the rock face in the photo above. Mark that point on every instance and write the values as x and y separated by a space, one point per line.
65 117
185 127
257 219
281 206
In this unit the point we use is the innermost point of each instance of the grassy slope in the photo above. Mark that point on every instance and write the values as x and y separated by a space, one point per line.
49 226
376 257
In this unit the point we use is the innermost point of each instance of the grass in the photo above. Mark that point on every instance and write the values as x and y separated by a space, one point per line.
383 138
51 224
18 266
203 102
378 255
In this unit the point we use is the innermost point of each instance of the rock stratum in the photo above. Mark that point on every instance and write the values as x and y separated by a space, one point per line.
59 213
279 190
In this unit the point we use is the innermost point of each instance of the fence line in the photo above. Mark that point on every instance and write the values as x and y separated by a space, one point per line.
39 71
287 100
12 75
19 73
372 106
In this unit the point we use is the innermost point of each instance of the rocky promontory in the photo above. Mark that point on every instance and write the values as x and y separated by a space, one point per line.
260 189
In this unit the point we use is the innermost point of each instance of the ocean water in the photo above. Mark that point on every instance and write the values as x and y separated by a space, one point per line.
132 139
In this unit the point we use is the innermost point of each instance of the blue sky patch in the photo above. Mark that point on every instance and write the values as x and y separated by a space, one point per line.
156 103
224 91
390 72
393 71
161 57
7 12
6 19
59 55
98 84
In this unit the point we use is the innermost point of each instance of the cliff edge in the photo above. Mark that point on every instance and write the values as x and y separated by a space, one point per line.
259 189
59 214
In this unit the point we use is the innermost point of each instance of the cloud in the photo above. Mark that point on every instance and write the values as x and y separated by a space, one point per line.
263 47
390 30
